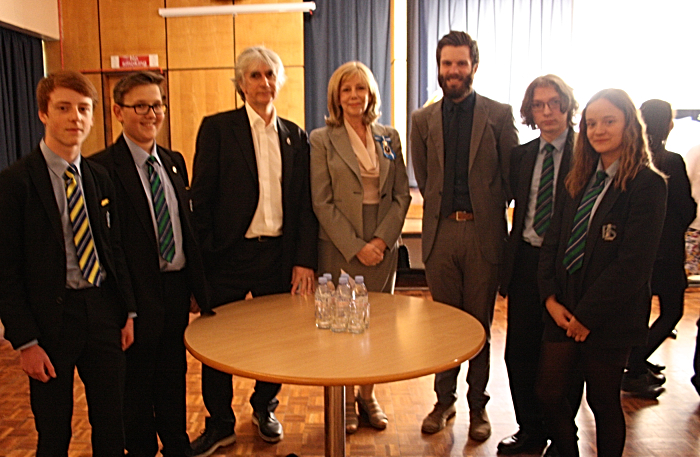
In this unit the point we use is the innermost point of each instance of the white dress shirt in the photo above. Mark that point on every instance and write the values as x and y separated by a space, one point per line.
267 220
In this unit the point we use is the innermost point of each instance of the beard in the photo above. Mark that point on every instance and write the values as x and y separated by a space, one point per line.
456 93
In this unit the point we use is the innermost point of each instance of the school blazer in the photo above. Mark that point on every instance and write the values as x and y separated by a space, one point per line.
33 266
611 295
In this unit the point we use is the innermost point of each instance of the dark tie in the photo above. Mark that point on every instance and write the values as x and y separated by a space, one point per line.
160 208
82 235
573 257
545 193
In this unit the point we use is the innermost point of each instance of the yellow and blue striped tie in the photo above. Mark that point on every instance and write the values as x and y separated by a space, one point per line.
82 235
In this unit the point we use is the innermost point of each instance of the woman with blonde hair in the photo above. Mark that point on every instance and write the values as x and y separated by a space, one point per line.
359 190
595 270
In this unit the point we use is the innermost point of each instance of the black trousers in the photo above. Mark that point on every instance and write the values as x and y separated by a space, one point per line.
156 365
253 267
668 282
524 340
89 340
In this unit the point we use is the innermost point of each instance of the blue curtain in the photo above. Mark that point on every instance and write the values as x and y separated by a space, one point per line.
340 31
518 41
21 68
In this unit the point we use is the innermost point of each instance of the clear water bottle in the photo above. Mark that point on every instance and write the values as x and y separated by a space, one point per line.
331 286
361 297
322 303
341 306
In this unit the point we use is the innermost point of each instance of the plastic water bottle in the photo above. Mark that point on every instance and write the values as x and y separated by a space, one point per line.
323 308
341 305
356 316
361 298
331 286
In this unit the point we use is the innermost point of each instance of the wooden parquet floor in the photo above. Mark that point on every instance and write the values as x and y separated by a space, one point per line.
667 427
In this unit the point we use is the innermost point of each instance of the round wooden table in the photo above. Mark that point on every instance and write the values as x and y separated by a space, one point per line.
273 338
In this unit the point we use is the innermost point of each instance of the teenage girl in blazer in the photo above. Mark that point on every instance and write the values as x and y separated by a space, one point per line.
597 295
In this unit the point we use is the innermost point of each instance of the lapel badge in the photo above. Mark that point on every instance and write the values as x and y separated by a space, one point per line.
104 202
174 169
609 232
289 141
385 141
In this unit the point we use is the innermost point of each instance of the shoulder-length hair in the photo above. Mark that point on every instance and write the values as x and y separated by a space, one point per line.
635 152
253 56
340 75
569 105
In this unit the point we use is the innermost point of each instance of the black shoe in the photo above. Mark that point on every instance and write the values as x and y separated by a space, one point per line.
643 386
634 380
654 368
521 443
215 435
269 428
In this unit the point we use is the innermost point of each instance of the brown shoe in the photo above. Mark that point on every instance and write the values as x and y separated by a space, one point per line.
438 417
479 425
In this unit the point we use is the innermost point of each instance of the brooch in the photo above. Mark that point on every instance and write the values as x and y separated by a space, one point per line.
386 148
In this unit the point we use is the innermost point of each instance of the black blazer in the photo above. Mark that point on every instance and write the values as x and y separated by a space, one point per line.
139 239
610 295
225 189
680 207
33 266
522 166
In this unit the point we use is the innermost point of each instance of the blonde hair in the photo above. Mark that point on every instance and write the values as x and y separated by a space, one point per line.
340 75
635 152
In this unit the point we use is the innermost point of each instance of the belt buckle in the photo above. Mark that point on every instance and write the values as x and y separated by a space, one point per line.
461 216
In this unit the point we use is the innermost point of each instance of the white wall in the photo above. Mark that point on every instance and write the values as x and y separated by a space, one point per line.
35 17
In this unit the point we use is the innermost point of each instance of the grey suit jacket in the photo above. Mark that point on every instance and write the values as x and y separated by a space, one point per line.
493 137
337 193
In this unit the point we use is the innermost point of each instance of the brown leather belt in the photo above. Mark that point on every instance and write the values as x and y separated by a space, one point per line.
461 216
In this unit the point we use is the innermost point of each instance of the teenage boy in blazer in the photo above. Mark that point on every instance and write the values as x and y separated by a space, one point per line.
155 404
66 307
256 227
538 171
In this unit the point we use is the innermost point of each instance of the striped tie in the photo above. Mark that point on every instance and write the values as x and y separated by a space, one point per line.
82 235
573 257
545 193
160 208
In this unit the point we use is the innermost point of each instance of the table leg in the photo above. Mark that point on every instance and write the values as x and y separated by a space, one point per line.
334 412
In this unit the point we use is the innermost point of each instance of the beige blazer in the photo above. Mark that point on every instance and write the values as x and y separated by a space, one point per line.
336 189
493 137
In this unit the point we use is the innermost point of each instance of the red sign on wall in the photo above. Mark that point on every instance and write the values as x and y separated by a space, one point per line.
135 61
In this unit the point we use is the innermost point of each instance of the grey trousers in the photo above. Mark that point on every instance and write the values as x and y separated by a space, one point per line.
459 275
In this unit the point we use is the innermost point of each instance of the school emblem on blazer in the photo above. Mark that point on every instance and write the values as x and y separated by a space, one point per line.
609 232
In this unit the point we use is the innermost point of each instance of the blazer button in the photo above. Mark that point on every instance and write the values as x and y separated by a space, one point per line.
59 300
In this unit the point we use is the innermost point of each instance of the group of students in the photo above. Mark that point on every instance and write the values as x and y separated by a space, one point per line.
104 258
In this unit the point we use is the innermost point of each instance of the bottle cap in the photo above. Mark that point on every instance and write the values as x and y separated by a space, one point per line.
343 280
359 279
322 280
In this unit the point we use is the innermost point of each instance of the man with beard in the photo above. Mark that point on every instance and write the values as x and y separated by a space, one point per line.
461 155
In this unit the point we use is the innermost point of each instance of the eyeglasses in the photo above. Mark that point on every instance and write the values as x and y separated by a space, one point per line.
554 105
142 108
